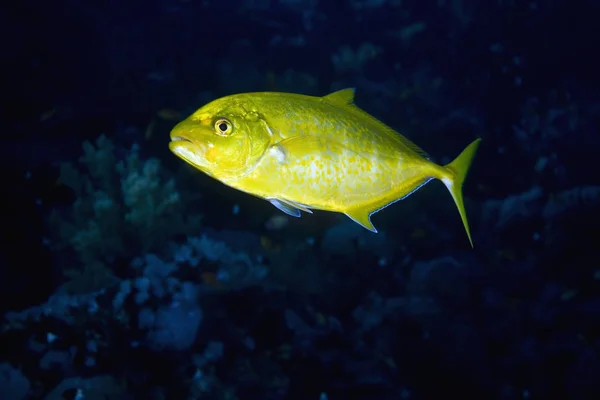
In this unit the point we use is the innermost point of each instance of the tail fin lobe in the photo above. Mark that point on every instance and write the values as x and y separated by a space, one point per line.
454 179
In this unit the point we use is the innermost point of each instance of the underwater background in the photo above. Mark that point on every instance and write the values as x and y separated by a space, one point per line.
127 274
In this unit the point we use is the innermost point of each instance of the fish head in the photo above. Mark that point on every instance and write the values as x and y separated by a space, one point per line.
224 139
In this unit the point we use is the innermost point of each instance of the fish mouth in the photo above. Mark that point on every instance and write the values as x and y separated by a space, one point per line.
180 139
187 151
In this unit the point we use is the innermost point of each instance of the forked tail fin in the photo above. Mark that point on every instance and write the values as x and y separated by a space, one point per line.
454 179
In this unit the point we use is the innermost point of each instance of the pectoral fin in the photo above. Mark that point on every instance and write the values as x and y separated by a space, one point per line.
290 207
306 144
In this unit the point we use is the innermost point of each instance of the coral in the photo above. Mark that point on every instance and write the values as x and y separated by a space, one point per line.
581 198
15 386
514 208
88 278
540 128
169 308
234 270
122 208
61 306
347 59
173 326
94 388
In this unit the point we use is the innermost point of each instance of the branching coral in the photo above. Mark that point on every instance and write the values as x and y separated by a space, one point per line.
123 207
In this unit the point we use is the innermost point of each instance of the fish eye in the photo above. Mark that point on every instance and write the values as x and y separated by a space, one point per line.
223 127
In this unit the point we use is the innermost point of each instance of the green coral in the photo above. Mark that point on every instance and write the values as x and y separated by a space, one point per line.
123 208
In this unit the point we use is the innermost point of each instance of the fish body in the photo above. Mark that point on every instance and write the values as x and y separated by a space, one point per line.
304 152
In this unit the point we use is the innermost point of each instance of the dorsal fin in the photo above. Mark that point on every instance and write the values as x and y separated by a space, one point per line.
342 97
345 97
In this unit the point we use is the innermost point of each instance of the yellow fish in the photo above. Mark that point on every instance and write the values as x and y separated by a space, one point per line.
303 152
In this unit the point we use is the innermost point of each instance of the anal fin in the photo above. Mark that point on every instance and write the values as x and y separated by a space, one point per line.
362 217
362 214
